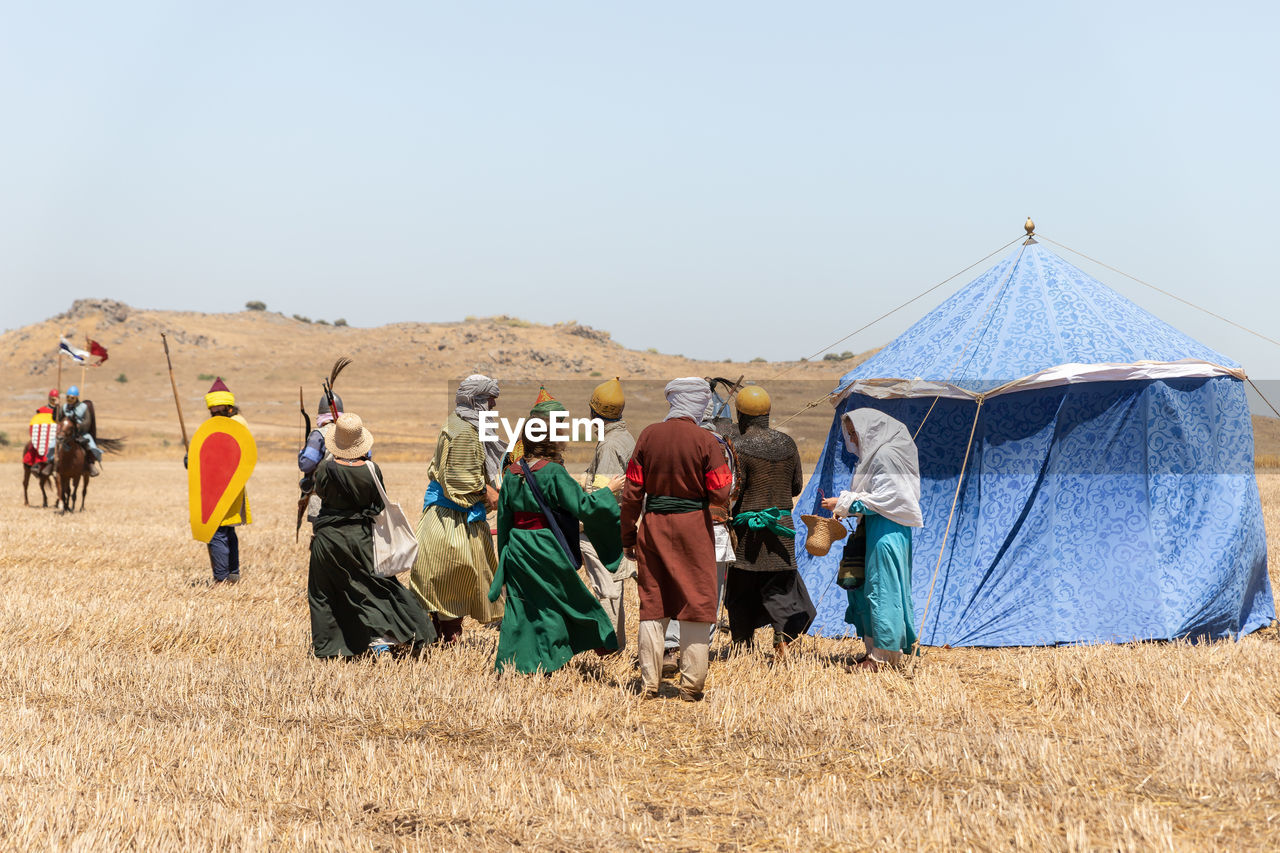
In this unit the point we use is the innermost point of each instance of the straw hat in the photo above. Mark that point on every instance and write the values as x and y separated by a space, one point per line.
346 438
822 533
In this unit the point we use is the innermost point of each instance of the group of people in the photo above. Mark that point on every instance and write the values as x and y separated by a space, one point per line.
697 509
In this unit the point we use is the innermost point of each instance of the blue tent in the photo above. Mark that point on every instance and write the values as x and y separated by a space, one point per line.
1109 493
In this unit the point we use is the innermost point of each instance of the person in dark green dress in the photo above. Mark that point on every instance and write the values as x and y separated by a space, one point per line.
551 614
353 610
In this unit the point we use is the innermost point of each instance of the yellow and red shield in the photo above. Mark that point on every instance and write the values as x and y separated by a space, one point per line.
219 461
43 433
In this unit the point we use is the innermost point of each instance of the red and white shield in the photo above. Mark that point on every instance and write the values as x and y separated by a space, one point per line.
43 433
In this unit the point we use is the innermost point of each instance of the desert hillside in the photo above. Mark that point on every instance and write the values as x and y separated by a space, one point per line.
401 379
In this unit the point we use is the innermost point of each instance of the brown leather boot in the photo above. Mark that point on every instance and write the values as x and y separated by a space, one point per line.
670 663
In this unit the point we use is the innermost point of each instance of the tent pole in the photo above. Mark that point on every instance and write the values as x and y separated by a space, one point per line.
964 466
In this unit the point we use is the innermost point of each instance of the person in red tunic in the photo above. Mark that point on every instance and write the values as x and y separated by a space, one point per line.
676 472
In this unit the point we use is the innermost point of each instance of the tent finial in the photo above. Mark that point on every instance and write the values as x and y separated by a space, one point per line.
1031 231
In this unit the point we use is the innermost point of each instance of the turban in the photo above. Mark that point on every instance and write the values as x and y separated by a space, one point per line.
470 397
688 398
219 395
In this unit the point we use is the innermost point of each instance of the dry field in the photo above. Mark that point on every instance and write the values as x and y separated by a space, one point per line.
144 708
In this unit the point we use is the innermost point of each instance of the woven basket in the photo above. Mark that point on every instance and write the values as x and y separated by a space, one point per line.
822 532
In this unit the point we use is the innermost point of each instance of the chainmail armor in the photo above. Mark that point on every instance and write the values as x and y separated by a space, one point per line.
769 475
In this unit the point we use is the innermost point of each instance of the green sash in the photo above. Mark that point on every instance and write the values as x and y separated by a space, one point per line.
765 519
669 505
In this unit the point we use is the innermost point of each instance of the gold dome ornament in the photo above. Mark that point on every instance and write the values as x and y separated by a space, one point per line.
1030 228
753 400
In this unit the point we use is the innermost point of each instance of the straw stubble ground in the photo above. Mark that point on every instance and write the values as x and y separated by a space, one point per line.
143 707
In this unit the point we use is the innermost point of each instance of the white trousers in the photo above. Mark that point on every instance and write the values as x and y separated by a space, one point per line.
608 587
693 653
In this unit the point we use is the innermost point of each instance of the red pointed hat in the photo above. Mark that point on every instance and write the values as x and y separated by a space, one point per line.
219 394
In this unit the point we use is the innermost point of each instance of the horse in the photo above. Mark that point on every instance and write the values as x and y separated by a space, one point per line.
70 465
43 472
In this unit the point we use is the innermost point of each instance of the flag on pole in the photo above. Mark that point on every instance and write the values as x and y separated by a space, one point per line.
98 351
79 356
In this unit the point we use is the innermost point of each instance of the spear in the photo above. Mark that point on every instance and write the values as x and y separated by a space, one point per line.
173 384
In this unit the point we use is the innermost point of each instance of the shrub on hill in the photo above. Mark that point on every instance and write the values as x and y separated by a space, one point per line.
255 305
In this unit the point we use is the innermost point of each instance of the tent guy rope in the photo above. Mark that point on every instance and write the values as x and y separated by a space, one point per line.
1163 291
894 310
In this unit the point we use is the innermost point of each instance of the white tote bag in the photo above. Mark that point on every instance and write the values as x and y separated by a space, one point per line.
395 546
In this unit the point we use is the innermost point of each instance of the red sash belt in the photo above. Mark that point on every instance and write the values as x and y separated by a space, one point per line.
530 521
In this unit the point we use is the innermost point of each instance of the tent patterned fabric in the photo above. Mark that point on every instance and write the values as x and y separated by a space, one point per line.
1029 312
1098 511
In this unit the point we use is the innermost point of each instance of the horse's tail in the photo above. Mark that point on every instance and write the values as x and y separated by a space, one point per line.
110 445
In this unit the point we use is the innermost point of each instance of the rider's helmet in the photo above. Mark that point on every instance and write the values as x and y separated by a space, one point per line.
73 392
324 404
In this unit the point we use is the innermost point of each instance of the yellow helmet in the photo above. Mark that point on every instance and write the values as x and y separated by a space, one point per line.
753 400
607 399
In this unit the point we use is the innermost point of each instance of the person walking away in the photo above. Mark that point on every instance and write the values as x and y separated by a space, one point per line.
353 609
763 587
550 614
721 428
456 558
676 473
224 547
609 461
313 451
885 492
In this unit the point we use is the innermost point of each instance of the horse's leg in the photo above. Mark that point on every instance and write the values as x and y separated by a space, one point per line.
26 478
84 490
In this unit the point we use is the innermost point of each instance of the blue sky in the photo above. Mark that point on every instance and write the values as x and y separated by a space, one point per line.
716 179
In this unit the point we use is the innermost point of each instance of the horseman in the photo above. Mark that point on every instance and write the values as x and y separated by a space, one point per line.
37 456
46 414
82 417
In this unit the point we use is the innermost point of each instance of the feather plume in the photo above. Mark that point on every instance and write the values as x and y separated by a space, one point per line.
338 366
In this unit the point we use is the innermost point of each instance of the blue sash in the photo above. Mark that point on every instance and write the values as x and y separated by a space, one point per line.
435 497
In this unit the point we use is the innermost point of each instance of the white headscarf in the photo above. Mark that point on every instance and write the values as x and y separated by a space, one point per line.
688 398
887 478
470 398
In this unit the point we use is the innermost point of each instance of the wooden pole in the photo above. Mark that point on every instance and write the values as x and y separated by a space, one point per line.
174 385
58 355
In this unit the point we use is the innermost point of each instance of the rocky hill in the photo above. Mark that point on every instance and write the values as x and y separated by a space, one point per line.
401 378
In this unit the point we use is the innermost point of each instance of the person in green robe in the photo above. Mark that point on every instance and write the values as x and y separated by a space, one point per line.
551 615
353 610
885 492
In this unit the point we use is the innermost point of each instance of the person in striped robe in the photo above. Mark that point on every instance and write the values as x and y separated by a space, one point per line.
456 558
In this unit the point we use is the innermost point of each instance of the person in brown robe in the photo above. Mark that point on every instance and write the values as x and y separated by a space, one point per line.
676 472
